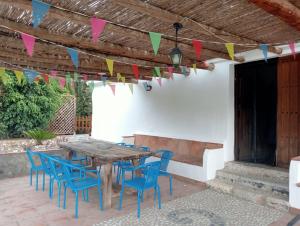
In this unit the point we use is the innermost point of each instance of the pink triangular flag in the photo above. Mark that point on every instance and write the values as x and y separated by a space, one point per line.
113 89
29 42
197 46
293 49
97 28
170 72
159 81
53 73
62 82
85 77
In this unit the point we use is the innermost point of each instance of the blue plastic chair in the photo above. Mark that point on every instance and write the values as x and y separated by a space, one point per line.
35 168
165 156
148 181
57 174
78 158
81 184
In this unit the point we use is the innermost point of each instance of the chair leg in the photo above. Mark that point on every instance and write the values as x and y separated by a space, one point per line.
87 195
37 180
30 181
154 197
59 190
121 197
65 196
76 205
158 195
100 197
43 181
139 205
118 175
52 190
142 196
50 186
170 180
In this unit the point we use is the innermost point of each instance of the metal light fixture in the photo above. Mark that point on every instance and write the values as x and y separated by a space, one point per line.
176 54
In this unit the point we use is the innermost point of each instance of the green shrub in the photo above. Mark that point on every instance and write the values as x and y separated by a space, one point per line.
40 135
83 99
25 106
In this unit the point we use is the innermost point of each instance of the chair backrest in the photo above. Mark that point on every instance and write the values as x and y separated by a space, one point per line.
129 145
165 156
55 166
45 162
120 143
152 173
30 154
143 159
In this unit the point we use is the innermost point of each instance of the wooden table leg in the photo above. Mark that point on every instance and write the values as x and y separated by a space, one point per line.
136 162
106 177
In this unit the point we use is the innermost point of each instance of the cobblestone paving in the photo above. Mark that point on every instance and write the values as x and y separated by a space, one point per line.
204 208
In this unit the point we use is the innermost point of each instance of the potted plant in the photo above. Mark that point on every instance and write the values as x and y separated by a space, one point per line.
40 136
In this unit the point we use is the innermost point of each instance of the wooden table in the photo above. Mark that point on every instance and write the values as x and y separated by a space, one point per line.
104 153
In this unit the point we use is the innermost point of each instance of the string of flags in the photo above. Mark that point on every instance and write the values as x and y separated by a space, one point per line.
40 9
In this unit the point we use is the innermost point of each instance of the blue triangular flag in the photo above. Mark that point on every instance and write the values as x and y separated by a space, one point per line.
39 10
103 79
264 49
74 56
30 75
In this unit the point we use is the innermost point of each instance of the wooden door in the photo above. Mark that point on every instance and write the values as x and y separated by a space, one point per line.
288 110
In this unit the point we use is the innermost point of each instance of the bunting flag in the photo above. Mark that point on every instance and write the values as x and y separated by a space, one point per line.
157 71
74 56
3 76
130 85
230 50
19 76
85 77
62 82
195 68
68 79
30 75
103 79
159 81
53 73
46 78
113 88
293 49
135 70
198 47
184 70
97 28
264 49
155 41
119 77
145 84
39 10
110 66
123 79
91 86
170 72
29 42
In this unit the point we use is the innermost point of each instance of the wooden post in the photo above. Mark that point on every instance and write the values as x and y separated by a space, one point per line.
106 177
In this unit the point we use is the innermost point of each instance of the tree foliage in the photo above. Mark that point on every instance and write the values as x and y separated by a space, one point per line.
83 99
25 106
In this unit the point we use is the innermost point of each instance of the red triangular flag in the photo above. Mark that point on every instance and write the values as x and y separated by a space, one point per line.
29 42
113 89
293 49
197 46
136 71
159 81
53 73
46 78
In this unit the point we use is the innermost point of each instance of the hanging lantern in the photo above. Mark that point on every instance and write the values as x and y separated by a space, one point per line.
176 54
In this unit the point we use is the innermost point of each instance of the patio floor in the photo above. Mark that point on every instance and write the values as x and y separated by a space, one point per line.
21 205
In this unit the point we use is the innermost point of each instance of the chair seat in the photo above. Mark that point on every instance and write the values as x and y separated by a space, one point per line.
38 168
137 183
163 173
85 183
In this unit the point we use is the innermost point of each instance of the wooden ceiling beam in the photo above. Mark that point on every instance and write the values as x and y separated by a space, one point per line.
169 17
138 35
282 9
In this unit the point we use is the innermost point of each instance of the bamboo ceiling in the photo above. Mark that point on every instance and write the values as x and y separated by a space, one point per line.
125 39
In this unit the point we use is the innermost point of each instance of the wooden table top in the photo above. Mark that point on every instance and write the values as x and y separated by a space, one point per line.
104 151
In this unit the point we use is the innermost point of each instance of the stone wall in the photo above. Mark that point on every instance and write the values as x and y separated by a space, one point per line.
13 159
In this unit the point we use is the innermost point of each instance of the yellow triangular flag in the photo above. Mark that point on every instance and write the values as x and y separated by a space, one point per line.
230 49
20 76
110 66
119 77
130 85
195 68
3 75
123 79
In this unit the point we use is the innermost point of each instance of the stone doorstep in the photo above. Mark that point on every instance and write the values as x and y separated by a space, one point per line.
265 183
257 196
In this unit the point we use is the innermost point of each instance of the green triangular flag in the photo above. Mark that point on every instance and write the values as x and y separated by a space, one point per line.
3 76
155 41
76 75
157 71
91 86
68 78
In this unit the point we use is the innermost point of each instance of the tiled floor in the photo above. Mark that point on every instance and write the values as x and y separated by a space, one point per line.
21 205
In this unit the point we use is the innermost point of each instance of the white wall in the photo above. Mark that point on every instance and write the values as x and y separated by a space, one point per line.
198 107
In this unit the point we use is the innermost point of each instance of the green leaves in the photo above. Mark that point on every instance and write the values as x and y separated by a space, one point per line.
39 135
